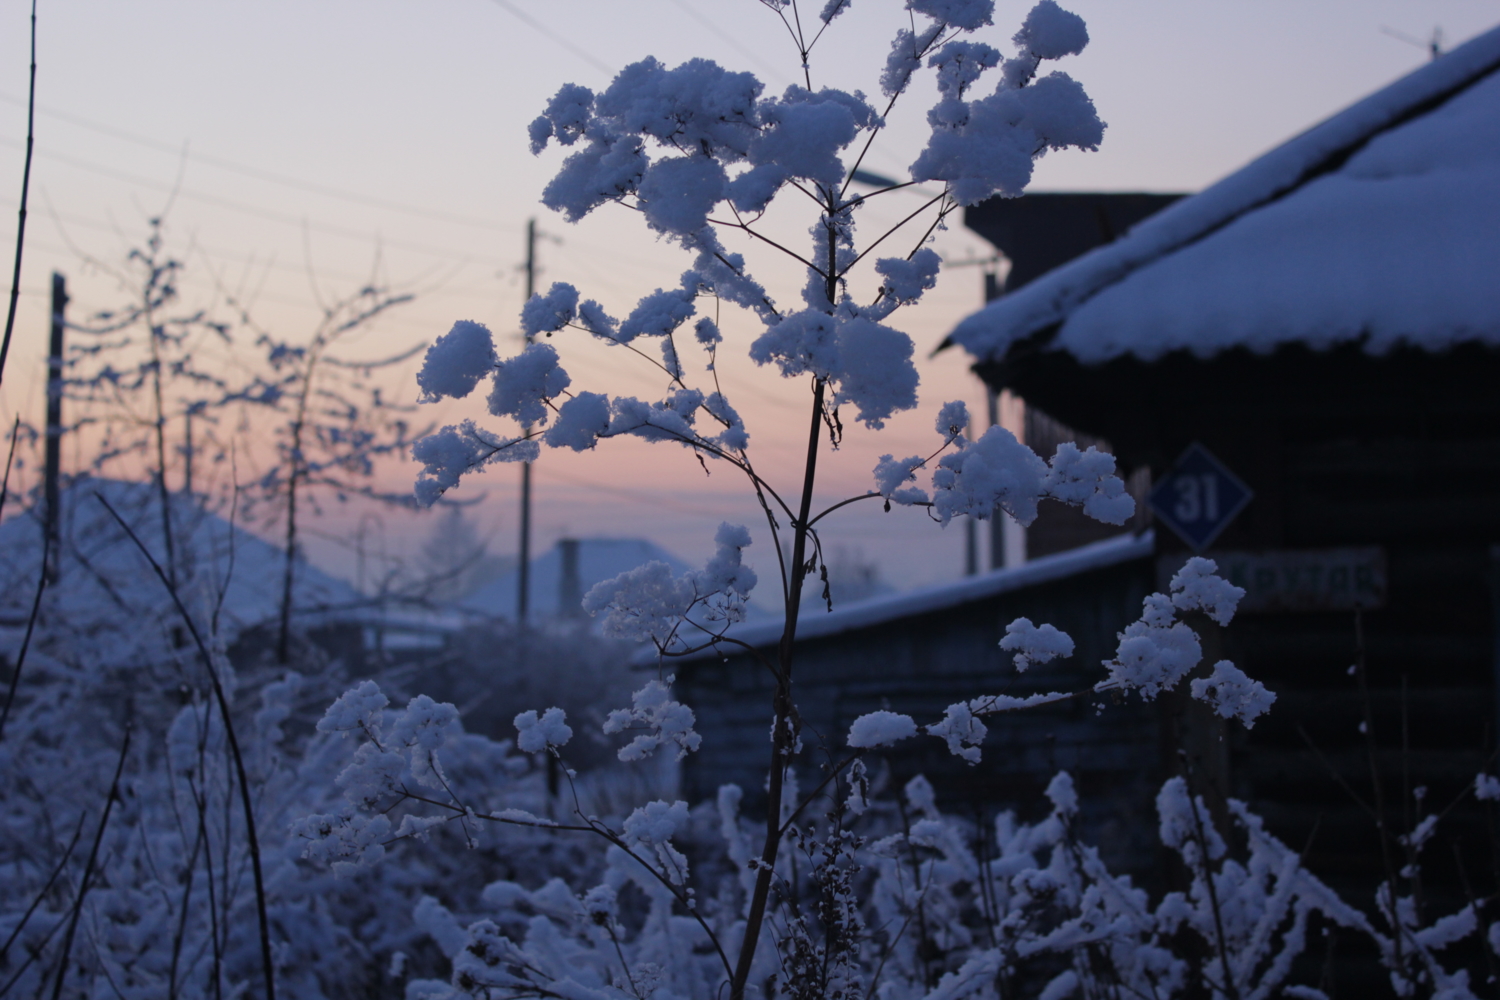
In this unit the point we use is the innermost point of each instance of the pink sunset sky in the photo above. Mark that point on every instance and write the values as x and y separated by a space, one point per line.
308 140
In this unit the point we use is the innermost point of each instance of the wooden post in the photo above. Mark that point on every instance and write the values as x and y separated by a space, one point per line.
53 472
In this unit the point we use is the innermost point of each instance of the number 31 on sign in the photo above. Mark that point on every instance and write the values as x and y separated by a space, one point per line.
1199 497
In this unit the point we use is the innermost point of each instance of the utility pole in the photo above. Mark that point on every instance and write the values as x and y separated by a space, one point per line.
523 595
53 452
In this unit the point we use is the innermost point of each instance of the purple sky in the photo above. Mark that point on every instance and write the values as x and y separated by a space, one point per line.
318 135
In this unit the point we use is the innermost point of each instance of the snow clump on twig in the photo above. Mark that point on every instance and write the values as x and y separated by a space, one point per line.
665 721
881 729
548 731
456 362
1035 643
1230 693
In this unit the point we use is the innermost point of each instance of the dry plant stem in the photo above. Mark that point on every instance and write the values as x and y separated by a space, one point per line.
187 894
10 457
1229 988
1377 786
782 744
88 869
160 430
36 608
15 279
267 966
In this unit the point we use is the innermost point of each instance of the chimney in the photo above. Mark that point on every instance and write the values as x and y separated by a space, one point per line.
569 583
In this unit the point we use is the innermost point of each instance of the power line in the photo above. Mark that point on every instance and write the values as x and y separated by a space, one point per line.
266 175
536 25
236 206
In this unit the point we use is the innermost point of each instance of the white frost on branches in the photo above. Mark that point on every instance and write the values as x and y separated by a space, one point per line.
869 363
998 472
452 451
649 603
398 750
1232 694
545 732
1157 650
666 723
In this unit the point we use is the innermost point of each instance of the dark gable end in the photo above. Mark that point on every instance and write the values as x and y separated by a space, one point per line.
1362 408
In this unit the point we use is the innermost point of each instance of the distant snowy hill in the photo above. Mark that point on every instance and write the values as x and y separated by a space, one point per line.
224 571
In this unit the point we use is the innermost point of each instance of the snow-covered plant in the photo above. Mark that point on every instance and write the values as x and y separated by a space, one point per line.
807 909
333 421
699 150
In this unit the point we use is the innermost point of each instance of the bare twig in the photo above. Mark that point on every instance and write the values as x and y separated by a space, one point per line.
15 279
88 869
36 608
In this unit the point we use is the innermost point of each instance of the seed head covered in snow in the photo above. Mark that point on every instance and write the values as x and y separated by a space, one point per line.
1087 479
657 315
869 363
593 318
452 451
653 825
803 132
356 712
734 437
880 729
548 731
665 723
958 65
993 471
953 420
1035 643
726 581
677 193
1155 652
456 361
961 729
565 119
1233 695
891 473
647 602
1487 789
905 280
525 382
706 332
579 422
832 9
550 312
649 831
875 371
966 14
1197 587
992 149
1050 32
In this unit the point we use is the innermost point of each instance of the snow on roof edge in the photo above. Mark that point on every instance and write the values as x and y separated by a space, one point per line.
989 333
1047 569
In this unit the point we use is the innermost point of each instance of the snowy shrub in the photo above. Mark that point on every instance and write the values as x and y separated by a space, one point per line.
833 894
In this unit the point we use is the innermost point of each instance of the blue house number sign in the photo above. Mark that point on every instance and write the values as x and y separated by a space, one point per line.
1199 497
